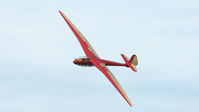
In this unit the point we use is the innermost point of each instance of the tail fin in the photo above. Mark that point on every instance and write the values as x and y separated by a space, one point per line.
132 63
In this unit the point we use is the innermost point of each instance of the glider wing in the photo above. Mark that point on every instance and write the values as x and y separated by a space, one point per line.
89 51
102 67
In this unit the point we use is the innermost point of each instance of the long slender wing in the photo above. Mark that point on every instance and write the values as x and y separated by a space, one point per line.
102 67
89 51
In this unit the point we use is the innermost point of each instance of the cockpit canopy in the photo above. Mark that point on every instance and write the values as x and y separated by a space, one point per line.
83 61
83 58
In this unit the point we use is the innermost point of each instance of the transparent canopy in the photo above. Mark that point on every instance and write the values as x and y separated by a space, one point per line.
82 57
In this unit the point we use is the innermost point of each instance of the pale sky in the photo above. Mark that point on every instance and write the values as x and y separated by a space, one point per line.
37 49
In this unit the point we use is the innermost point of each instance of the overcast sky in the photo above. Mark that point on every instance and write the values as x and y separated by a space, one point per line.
37 49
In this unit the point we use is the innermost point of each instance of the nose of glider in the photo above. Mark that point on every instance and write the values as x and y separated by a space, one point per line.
75 61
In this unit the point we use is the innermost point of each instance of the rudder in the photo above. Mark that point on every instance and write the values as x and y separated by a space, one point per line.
134 60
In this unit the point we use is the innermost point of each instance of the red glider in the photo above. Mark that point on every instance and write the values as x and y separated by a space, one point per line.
93 59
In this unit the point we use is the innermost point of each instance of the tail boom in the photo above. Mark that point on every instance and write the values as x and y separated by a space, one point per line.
112 63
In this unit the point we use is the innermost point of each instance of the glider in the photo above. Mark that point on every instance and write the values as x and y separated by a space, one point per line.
92 59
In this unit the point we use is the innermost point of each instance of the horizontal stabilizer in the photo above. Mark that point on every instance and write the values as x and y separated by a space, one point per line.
132 63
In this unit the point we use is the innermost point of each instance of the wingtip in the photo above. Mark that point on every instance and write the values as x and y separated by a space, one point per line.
131 105
59 11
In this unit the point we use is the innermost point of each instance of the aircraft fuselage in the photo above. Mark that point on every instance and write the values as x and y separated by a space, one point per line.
86 62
